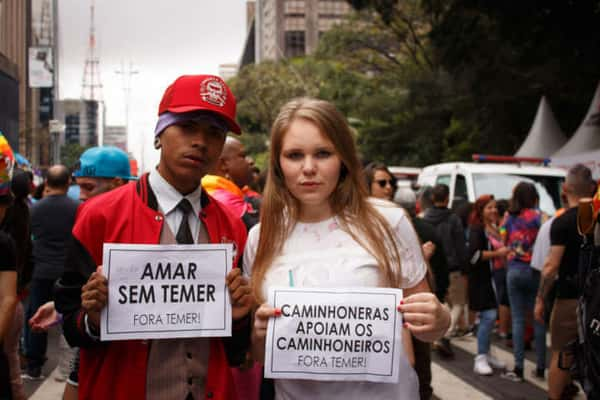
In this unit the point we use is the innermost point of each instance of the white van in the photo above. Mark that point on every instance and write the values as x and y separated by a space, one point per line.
468 181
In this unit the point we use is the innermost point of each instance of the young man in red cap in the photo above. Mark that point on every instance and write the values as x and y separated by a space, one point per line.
166 206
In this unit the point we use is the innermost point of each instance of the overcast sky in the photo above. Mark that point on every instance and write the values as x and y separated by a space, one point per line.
162 39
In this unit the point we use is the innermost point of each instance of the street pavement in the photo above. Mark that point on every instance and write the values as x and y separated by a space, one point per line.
452 379
49 371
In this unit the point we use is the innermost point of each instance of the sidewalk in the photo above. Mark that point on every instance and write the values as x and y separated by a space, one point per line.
51 389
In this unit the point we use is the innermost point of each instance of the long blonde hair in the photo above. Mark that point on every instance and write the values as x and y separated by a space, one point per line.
356 216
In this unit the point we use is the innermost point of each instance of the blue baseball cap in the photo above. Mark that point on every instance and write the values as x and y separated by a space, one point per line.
104 162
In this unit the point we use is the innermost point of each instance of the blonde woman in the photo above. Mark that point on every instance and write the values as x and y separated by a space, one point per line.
317 225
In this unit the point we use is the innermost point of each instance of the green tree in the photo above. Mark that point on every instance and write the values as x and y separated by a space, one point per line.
262 89
70 153
502 57
405 100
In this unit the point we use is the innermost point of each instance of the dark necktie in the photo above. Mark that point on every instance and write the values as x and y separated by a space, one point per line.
184 234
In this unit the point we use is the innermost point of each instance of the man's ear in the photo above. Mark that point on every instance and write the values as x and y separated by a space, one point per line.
116 182
157 144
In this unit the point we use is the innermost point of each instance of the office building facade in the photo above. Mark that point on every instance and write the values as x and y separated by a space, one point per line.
291 28
116 136
83 120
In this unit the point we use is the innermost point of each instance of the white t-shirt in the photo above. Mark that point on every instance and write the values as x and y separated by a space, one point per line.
541 248
322 255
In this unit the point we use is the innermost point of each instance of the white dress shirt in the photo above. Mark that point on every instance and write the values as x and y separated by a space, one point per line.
168 197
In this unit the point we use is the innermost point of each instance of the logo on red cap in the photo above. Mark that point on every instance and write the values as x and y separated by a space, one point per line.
213 91
200 93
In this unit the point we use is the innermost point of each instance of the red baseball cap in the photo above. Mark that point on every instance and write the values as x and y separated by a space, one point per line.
200 92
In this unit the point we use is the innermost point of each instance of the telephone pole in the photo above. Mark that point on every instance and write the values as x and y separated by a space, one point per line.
126 75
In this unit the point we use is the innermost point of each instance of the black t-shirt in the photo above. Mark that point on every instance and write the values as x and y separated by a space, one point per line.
8 260
564 233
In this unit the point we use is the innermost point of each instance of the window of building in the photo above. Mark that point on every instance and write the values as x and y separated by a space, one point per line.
333 8
294 24
294 6
294 44
72 128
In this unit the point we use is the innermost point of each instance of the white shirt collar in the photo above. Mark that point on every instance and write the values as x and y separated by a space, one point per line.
168 197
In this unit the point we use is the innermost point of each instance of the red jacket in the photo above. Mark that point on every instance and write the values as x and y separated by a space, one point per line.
117 370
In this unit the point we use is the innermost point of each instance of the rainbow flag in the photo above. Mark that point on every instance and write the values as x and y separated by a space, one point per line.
7 162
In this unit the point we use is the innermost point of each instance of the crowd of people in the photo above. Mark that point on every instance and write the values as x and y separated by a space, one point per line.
515 269
321 220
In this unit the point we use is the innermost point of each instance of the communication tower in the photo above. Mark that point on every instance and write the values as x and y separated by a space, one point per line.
91 86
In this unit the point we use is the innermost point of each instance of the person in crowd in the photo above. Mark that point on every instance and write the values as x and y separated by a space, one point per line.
252 191
231 174
502 206
463 208
17 224
8 273
522 224
38 193
560 270
380 181
450 230
315 206
8 302
541 250
499 275
25 175
74 190
254 184
433 251
52 219
166 206
424 201
99 170
482 296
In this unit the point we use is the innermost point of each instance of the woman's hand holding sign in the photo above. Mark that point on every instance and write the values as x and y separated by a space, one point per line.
241 294
94 296
425 316
259 329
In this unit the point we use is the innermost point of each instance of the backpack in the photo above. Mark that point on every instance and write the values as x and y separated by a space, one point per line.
586 349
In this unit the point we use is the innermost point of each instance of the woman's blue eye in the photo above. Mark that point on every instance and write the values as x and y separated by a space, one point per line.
323 154
294 155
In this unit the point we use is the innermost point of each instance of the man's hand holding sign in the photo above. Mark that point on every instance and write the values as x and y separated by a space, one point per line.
165 292
94 295
241 294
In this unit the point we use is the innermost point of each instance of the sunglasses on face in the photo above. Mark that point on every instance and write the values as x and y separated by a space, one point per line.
383 182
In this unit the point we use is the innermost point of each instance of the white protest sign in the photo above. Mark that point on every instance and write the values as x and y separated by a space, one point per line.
166 291
335 334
